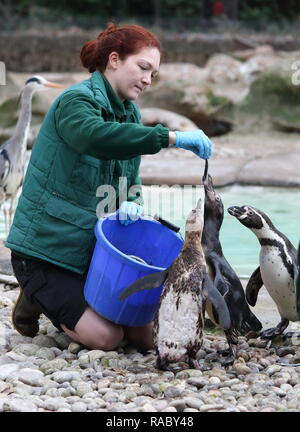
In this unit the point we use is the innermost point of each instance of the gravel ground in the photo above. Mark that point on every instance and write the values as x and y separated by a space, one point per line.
50 372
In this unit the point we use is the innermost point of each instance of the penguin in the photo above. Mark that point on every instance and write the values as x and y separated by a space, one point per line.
179 321
222 274
277 269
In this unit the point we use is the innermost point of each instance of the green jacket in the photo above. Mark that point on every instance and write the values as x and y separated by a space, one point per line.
88 138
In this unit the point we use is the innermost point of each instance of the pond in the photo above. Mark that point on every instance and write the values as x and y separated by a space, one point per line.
240 246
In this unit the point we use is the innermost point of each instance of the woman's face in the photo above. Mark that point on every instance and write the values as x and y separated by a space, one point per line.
133 75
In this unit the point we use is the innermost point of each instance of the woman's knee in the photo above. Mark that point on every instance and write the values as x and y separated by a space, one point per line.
107 338
96 332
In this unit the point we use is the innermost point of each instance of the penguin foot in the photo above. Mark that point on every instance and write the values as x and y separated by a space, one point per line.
225 352
162 364
227 361
194 364
272 332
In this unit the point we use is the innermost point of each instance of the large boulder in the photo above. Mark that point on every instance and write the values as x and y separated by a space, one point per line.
184 89
274 97
169 119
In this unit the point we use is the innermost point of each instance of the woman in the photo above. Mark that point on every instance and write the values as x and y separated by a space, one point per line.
91 136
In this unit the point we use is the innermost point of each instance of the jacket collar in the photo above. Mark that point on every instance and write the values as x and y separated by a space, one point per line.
113 102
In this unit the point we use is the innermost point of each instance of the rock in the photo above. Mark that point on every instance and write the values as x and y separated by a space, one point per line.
172 392
281 352
28 349
79 407
295 359
148 408
74 347
271 370
31 377
241 368
55 404
211 407
179 404
44 341
45 353
62 340
82 388
20 405
63 376
199 382
284 164
53 365
169 119
193 402
7 369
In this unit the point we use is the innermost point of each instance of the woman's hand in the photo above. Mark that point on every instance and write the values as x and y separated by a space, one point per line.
195 141
129 212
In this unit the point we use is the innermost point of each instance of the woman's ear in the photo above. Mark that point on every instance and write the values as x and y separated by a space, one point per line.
113 60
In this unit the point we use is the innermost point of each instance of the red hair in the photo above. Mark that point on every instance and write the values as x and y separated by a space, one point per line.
126 40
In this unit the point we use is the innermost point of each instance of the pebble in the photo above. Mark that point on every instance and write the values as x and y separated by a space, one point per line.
7 369
281 352
50 372
31 377
79 407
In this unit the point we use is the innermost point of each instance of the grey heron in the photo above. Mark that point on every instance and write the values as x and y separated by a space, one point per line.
13 151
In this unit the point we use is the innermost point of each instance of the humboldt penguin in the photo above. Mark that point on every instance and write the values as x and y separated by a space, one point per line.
222 274
179 321
277 269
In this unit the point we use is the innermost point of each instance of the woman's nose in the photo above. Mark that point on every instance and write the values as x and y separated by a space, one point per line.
147 78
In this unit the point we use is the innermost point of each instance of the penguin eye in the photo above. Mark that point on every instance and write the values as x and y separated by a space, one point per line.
250 213
218 198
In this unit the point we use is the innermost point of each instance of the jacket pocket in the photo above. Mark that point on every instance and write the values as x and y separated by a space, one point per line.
29 275
66 232
36 282
86 173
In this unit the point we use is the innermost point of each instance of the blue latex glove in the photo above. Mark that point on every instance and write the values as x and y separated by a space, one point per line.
129 212
195 141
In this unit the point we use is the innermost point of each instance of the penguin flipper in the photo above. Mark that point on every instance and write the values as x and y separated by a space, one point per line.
154 280
253 286
218 302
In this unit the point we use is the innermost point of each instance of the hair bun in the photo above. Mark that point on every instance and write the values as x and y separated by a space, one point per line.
110 28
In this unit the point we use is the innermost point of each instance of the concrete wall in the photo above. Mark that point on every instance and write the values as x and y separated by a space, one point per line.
58 51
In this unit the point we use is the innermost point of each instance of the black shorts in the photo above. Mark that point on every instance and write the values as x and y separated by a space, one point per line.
57 291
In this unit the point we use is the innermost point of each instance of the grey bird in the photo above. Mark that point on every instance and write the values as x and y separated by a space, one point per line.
13 151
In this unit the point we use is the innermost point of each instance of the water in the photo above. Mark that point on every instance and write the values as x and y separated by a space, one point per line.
240 245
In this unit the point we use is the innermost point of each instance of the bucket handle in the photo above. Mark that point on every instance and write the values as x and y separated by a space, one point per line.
166 223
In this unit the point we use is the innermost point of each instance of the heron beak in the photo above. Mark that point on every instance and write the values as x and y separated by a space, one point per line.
53 85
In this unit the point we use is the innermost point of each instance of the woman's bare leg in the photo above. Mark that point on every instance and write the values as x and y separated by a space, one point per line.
95 332
141 336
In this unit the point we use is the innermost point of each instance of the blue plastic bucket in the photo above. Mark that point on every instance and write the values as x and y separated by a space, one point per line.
111 269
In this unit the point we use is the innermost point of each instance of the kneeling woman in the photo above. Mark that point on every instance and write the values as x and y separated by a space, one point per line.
91 136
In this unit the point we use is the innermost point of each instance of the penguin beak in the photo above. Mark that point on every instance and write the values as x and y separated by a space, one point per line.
208 184
209 188
235 211
199 204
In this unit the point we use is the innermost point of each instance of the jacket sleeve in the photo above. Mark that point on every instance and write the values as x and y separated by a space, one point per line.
80 124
